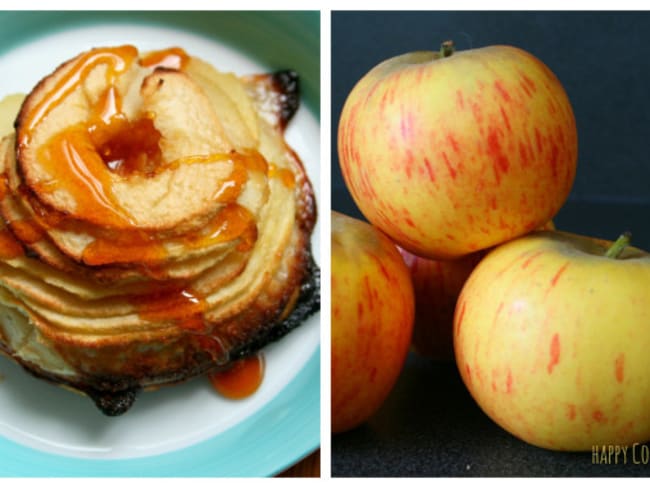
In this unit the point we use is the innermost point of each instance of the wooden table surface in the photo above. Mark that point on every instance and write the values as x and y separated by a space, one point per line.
308 467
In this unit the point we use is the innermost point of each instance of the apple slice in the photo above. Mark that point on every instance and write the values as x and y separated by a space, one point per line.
9 108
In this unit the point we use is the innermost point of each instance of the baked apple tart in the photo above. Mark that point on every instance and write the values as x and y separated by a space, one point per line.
155 223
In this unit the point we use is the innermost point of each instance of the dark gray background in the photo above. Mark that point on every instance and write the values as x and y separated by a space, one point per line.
602 59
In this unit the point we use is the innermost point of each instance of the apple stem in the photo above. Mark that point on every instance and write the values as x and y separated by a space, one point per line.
617 247
447 49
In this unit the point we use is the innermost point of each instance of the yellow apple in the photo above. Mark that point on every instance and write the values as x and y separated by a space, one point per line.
453 152
437 285
372 320
551 336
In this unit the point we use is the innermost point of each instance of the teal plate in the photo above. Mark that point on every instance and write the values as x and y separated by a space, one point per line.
185 430
284 431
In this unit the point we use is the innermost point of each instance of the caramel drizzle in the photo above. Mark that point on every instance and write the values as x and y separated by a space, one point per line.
10 248
242 379
285 175
27 231
177 303
125 246
243 163
79 169
70 156
114 246
117 59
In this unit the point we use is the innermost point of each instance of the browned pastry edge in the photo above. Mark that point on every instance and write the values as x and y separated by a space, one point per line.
286 83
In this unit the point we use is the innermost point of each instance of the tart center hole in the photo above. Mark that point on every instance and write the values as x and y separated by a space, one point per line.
126 146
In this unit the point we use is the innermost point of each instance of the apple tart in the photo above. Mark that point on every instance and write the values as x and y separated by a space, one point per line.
155 223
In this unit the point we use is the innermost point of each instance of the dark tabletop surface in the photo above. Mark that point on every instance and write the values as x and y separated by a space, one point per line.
431 426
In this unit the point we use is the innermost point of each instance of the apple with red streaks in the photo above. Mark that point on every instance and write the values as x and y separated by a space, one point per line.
437 285
551 335
372 320
453 152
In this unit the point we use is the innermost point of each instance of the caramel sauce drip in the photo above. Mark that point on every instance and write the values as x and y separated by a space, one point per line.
248 238
27 230
242 379
117 61
179 304
135 150
72 160
75 157
285 175
82 158
123 246
4 185
115 245
10 248
126 146
32 229
171 58
243 162
230 223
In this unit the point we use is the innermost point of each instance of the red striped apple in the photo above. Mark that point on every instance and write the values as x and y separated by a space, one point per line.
372 320
437 285
453 152
552 333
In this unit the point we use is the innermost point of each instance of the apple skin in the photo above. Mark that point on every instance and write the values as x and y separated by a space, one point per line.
437 285
450 155
551 339
372 320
